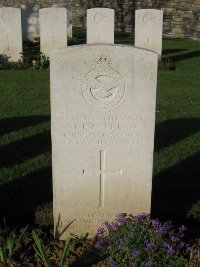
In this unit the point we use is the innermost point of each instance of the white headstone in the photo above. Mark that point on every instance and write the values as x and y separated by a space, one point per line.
148 29
103 116
53 30
100 25
10 33
30 22
69 17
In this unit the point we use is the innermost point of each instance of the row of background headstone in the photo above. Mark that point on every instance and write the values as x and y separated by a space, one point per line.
53 32
30 20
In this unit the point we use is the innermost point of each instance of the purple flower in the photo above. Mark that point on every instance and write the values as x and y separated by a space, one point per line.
98 245
182 228
112 225
120 245
188 248
155 223
113 264
141 217
121 217
170 251
101 231
165 245
135 254
181 245
160 230
149 245
174 238
167 226
149 263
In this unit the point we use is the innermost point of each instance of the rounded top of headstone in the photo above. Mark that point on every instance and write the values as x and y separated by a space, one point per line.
149 10
46 9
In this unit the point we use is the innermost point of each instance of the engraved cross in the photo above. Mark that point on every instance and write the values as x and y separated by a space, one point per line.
52 34
102 173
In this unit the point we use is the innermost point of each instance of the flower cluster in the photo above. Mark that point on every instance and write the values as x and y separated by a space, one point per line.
142 241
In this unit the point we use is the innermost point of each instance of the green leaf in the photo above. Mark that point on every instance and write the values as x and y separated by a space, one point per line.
23 232
65 252
10 244
2 255
40 250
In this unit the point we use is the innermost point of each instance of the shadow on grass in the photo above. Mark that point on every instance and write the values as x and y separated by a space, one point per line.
27 148
20 198
18 123
176 188
172 50
184 56
171 131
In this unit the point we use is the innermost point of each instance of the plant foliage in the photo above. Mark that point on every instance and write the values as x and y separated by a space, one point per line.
141 241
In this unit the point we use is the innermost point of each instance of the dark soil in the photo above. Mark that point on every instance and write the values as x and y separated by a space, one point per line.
82 252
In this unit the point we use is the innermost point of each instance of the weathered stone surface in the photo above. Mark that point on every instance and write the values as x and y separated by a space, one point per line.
69 17
100 25
10 33
148 29
103 116
30 22
53 30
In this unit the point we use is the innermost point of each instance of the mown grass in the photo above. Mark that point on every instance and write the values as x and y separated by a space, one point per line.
26 175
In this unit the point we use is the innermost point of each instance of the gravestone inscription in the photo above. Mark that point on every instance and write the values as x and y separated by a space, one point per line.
53 30
148 29
100 25
102 121
10 33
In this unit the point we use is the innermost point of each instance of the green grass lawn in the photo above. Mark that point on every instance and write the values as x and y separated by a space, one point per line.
26 175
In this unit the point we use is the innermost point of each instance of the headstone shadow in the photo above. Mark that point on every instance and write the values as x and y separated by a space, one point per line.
171 131
184 56
175 189
172 50
18 123
20 197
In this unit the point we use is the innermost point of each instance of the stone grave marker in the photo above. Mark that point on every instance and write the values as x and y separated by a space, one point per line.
103 117
100 25
53 30
69 16
30 22
148 29
10 33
